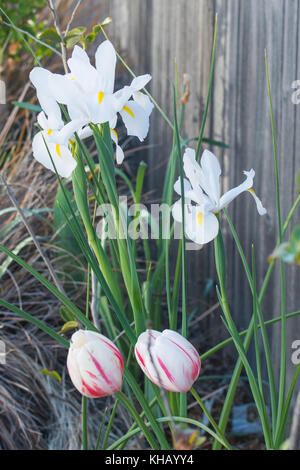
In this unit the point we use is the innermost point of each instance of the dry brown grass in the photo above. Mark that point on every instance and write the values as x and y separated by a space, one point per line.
37 412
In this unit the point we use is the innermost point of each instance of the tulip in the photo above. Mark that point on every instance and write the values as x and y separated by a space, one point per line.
94 364
168 359
202 196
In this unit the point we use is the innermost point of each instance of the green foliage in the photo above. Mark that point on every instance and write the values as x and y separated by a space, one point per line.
52 373
75 36
65 240
289 252
23 14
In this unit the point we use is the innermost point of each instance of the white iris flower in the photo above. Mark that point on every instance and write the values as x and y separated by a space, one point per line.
54 135
202 196
88 93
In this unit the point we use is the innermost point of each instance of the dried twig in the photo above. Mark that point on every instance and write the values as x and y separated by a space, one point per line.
72 17
59 32
12 116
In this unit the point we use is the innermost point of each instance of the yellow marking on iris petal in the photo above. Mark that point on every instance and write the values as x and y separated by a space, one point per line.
57 148
49 131
114 133
100 96
128 110
73 78
252 191
200 218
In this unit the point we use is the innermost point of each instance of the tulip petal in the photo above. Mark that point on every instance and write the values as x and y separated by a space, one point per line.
168 360
95 364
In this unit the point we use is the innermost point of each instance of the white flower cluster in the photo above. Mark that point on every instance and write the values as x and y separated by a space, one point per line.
88 94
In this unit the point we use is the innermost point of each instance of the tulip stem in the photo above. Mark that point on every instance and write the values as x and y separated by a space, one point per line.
84 423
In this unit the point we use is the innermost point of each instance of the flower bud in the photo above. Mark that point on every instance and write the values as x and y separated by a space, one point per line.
95 364
168 359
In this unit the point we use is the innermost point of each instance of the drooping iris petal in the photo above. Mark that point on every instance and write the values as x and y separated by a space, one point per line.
144 101
260 209
201 226
119 152
136 119
61 155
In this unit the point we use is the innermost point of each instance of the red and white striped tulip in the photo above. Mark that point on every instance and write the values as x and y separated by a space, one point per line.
95 364
168 359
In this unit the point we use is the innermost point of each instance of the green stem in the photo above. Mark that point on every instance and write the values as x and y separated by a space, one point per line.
238 367
177 419
209 90
224 343
132 411
84 423
210 418
282 380
111 419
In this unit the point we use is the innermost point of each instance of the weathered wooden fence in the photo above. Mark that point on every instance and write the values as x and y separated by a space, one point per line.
156 32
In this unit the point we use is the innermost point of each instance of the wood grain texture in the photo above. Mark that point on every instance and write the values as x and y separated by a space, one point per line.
152 34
